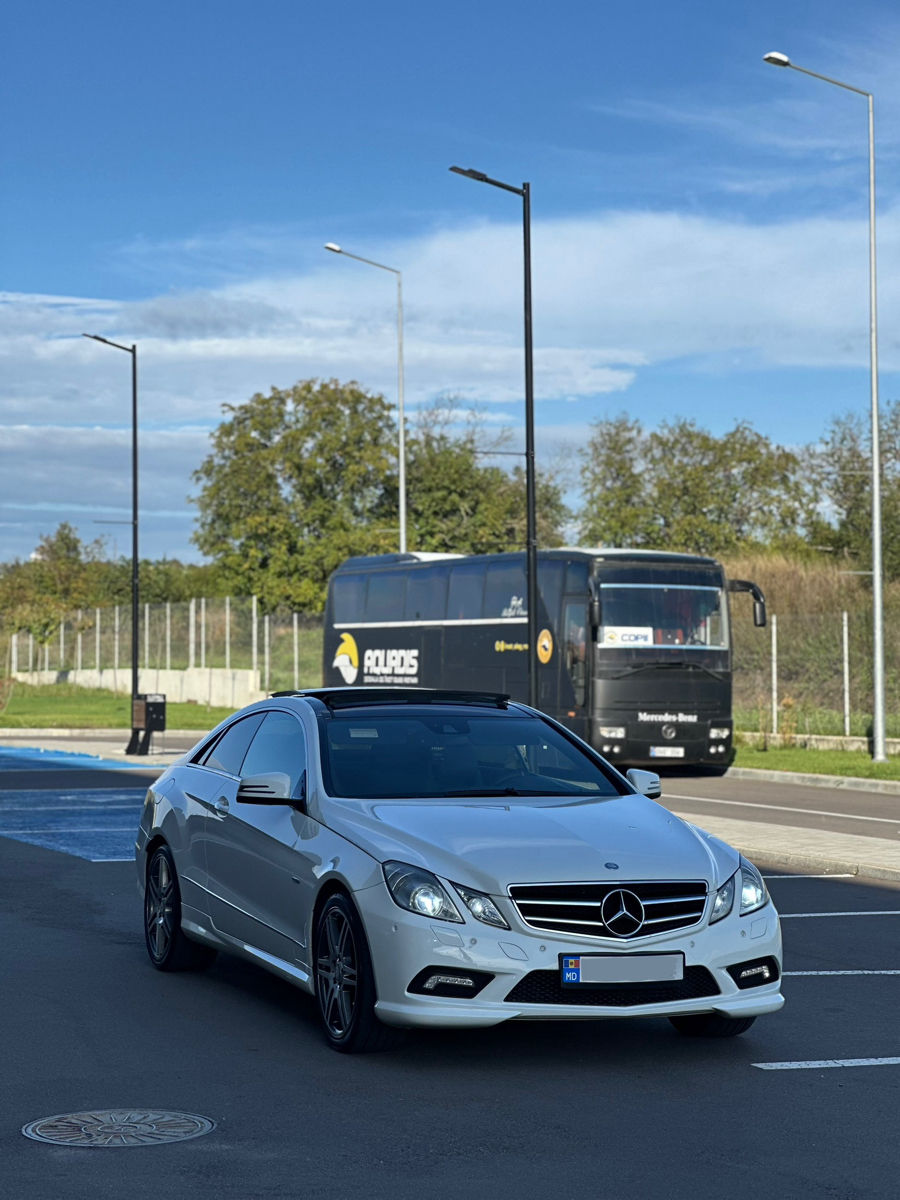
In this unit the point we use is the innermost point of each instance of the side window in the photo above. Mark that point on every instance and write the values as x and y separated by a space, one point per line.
279 745
465 592
426 593
575 647
385 598
348 595
505 594
227 752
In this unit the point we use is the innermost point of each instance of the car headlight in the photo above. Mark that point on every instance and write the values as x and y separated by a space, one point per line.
482 907
753 890
419 892
612 731
724 901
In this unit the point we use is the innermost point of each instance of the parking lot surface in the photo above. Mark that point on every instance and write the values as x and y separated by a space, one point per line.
803 1105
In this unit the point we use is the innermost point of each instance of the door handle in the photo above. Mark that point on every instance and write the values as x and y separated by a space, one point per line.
221 805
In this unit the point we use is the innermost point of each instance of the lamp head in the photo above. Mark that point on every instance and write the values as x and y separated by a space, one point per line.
470 173
334 247
776 59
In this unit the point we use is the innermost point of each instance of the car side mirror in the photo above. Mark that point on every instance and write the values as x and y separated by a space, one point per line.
273 787
646 783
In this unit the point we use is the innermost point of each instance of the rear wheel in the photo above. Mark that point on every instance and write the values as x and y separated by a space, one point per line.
711 1025
345 982
169 949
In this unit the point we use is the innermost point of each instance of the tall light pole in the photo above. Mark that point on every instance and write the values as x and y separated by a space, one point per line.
401 449
531 525
134 741
878 747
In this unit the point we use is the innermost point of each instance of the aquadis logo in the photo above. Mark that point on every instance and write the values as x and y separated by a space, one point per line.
346 658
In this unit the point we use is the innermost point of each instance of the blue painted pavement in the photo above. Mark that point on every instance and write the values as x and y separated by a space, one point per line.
97 824
30 758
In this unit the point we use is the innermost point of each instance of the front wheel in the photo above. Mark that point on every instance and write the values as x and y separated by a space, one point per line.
711 1025
345 982
169 949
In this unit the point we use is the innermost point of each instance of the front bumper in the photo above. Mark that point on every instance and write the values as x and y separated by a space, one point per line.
404 945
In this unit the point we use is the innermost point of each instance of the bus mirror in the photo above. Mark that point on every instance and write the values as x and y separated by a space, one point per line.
594 612
759 613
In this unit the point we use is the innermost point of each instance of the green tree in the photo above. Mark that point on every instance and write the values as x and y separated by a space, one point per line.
842 471
457 503
680 487
296 481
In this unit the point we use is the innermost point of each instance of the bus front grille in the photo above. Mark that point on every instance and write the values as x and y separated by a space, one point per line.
612 909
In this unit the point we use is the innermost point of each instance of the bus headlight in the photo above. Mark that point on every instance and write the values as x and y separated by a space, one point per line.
719 734
612 731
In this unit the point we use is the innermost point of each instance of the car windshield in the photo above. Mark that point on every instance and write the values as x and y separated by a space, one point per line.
372 755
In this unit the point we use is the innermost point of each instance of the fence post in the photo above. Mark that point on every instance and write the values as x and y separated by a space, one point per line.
116 651
192 633
202 633
296 656
97 643
14 654
227 633
147 637
30 652
774 673
168 635
846 657
78 644
266 659
254 636
62 644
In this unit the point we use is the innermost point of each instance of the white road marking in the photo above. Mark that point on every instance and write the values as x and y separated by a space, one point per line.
813 812
822 1063
884 912
796 973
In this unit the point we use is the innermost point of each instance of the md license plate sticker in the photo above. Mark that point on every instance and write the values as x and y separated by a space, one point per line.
667 751
620 968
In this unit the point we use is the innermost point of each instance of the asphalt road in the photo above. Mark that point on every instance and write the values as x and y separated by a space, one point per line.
617 1109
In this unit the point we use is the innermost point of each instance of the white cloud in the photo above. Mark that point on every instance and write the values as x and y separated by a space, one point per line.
615 295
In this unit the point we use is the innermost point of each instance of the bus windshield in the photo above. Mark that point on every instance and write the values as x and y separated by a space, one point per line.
634 615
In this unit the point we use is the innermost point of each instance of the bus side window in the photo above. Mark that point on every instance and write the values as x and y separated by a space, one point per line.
505 593
426 593
348 597
464 597
575 639
385 599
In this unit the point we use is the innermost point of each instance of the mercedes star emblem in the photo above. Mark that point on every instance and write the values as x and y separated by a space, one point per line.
622 913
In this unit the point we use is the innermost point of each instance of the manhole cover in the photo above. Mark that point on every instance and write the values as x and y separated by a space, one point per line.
118 1127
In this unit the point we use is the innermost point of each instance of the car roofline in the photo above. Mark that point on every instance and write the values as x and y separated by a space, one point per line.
362 697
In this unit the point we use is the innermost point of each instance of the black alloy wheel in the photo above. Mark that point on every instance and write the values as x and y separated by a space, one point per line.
168 947
345 983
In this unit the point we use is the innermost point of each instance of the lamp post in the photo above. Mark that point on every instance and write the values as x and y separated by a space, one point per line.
401 448
531 525
878 746
134 741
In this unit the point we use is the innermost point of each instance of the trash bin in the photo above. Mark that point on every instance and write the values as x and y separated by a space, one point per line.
148 716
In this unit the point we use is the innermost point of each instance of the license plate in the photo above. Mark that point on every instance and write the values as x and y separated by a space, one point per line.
667 751
579 969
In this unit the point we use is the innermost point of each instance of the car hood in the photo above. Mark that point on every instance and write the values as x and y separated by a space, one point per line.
489 844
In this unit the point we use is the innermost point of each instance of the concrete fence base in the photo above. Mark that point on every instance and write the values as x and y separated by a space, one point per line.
203 685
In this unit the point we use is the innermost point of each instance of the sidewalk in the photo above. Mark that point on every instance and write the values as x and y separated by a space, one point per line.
791 848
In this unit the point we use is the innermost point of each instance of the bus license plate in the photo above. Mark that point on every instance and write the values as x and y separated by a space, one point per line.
667 751
580 969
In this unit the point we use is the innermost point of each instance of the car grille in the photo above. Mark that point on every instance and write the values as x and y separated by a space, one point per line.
544 987
576 908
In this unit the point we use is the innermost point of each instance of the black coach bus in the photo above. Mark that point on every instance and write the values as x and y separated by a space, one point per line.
634 646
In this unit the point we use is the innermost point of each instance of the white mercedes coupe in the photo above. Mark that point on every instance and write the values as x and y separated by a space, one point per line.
427 858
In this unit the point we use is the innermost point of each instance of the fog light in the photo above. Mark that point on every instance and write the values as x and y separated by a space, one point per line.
747 973
607 748
459 981
448 982
755 973
616 749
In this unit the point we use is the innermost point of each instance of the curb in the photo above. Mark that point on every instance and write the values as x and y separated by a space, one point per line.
811 862
889 787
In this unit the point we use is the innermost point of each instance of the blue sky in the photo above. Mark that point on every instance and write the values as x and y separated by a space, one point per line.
171 173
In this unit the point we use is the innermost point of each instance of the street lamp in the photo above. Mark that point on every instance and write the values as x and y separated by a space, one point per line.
401 449
878 747
134 741
531 532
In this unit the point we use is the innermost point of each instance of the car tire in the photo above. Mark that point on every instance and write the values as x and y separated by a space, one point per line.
345 982
167 945
711 1025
